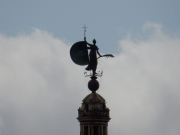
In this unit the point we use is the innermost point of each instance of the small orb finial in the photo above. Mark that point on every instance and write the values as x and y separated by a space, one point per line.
93 84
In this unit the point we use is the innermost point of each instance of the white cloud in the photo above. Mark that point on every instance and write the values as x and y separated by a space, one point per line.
41 88
144 93
36 85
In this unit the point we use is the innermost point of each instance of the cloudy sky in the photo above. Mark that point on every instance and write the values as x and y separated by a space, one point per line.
41 88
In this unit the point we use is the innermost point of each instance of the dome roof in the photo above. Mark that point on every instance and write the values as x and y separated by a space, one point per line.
94 97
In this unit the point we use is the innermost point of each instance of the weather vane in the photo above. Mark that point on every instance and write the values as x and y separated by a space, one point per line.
79 55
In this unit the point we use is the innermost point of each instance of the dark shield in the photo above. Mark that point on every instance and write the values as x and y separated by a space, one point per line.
79 53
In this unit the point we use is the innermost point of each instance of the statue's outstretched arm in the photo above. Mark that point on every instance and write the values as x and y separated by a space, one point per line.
99 54
106 55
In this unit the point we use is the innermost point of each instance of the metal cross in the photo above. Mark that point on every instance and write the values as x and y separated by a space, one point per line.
84 32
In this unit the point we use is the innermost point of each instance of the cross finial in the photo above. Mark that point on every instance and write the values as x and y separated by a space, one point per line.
85 32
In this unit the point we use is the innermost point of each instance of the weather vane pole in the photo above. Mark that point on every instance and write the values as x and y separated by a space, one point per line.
85 32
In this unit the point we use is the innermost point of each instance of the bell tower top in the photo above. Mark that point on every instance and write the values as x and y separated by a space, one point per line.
93 115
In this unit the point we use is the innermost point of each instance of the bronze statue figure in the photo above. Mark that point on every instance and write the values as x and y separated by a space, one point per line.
79 55
93 57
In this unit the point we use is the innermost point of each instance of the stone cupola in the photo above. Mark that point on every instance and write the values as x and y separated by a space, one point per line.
93 115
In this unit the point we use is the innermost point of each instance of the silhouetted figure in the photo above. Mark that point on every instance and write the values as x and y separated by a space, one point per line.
93 57
79 55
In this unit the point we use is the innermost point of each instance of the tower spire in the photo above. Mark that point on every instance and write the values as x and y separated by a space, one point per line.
93 114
